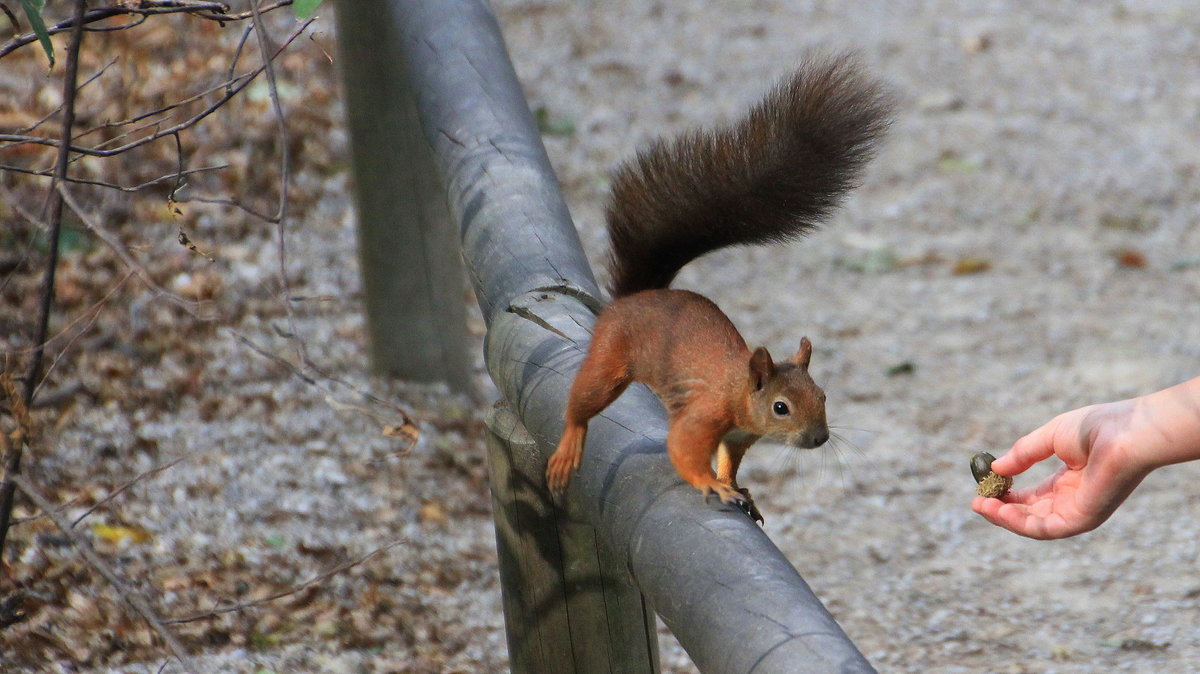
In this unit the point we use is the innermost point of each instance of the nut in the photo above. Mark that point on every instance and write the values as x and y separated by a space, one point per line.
990 485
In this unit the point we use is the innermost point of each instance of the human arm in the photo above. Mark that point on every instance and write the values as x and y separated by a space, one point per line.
1106 450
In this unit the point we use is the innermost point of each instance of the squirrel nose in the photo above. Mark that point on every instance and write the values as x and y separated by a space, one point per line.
820 437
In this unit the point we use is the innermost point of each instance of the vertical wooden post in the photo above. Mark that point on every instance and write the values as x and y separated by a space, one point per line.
570 605
413 278
729 595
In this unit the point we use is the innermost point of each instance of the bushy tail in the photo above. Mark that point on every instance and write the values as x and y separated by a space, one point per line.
773 176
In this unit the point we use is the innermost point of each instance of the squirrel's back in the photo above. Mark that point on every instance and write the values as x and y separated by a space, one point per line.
772 176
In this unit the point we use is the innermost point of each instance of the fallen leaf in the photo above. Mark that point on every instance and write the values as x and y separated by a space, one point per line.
1130 258
971 265
434 513
115 533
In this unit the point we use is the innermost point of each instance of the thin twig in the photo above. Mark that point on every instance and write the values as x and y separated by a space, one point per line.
315 580
207 10
58 397
12 18
401 421
179 169
229 202
17 139
242 16
300 374
155 124
114 186
212 11
237 52
232 80
12 462
284 175
115 245
26 249
95 315
112 495
137 21
117 492
84 546
53 112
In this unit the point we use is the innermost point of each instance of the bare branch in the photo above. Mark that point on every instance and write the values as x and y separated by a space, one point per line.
229 202
54 112
214 11
113 186
84 546
12 18
232 80
398 420
244 15
115 244
94 312
237 53
12 460
315 580
117 492
284 174
17 139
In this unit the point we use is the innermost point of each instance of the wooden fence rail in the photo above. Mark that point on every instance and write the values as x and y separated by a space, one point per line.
731 598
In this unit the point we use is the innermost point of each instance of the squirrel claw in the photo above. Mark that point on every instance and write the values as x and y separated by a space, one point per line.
747 506
739 498
558 474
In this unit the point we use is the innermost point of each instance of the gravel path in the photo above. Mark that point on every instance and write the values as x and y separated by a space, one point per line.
1048 142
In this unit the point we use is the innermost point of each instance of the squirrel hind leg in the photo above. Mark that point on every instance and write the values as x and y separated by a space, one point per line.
603 376
566 458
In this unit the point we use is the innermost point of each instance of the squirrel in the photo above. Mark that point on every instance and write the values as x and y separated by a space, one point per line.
771 177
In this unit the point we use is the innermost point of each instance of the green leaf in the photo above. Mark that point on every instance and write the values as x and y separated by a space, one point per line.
33 12
552 125
305 8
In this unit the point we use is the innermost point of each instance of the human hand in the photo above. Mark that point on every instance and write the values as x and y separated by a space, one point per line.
1101 468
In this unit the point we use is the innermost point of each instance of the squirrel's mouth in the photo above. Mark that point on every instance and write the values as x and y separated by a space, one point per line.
810 439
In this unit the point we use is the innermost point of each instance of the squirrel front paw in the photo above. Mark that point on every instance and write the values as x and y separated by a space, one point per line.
736 497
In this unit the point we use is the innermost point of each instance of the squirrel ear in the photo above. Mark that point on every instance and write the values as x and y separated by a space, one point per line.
762 368
804 355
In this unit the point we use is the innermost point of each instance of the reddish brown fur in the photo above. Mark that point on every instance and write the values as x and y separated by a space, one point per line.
687 351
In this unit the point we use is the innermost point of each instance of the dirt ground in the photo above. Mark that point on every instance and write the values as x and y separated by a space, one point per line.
1025 243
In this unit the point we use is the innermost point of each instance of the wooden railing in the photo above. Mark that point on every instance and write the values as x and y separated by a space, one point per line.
579 579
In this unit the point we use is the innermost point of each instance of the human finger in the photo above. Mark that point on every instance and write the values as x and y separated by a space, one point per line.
1020 519
1034 447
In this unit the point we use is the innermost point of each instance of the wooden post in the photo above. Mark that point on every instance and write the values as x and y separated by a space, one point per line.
569 604
730 596
413 281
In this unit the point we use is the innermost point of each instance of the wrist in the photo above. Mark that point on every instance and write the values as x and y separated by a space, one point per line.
1165 426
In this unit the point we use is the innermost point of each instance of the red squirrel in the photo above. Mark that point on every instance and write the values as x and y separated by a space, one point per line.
770 177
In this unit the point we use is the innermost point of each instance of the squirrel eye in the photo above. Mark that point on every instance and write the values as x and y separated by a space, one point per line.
780 408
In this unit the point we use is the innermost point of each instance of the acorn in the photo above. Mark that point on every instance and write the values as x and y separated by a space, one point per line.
990 485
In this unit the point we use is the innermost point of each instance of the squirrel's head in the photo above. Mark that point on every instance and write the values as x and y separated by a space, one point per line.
785 404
